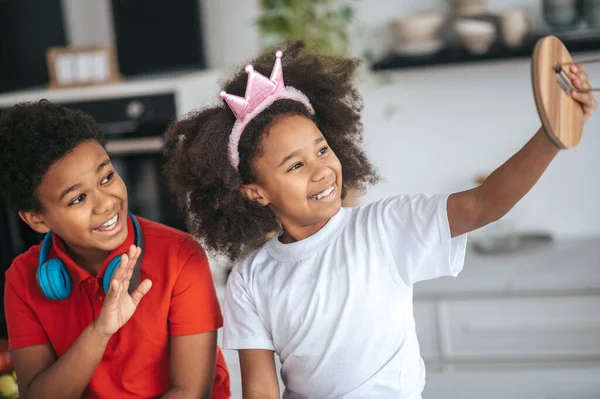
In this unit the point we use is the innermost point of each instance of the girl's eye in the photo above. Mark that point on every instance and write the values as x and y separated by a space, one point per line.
77 200
295 166
323 151
108 178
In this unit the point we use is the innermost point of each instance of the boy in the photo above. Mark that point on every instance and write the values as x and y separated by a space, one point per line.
80 324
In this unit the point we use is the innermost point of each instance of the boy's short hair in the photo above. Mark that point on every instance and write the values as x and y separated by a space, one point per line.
32 137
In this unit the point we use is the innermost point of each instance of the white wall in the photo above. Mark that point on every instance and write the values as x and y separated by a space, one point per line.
434 130
427 130
87 22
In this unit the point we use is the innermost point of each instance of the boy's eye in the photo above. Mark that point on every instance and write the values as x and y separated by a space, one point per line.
77 200
108 178
323 151
295 166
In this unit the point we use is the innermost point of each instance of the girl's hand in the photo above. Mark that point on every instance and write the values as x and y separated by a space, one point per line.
580 80
119 305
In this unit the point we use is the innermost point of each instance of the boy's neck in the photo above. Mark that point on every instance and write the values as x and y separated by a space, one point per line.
89 260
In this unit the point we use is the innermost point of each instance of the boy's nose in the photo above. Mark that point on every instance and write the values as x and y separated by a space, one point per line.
106 203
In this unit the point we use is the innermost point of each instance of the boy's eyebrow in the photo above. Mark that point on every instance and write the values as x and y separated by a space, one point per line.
293 154
68 190
102 165
74 186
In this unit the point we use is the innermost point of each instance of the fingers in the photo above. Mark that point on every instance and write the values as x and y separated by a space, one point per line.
580 80
125 270
587 100
578 71
131 257
576 68
140 291
112 296
583 95
128 262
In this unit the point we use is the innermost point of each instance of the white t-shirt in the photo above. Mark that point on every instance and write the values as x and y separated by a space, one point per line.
337 306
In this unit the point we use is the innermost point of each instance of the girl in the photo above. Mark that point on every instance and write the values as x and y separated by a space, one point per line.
331 291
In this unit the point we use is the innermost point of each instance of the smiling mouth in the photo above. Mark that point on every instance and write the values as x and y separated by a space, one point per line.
109 225
323 194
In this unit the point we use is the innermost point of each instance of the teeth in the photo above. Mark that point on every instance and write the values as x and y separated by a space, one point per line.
112 220
322 194
110 224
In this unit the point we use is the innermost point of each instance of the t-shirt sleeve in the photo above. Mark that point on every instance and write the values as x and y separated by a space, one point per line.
417 229
24 327
194 304
243 327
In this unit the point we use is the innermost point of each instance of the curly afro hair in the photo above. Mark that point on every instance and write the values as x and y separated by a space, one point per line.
205 184
32 137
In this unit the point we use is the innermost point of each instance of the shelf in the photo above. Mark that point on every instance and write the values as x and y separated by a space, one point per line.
584 40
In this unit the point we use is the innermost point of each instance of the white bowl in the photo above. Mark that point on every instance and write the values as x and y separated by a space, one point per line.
476 36
419 26
472 27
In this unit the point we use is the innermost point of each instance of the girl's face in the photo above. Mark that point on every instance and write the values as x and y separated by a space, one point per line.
299 176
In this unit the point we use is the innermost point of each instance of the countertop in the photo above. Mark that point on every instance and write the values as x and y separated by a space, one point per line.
195 87
563 266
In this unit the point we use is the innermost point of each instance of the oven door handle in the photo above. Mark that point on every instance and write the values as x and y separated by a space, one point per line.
146 145
123 127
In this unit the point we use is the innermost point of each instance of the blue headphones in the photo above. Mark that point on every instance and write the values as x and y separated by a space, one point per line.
55 282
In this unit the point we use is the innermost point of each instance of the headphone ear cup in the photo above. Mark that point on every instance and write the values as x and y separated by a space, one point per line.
111 269
54 280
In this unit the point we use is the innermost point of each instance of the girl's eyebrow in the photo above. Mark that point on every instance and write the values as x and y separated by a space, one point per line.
294 153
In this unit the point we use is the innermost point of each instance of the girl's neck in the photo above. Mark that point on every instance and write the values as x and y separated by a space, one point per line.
293 233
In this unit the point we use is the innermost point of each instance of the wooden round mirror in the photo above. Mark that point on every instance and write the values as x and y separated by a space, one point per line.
561 115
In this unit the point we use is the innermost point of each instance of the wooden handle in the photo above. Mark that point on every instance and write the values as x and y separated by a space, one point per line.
560 114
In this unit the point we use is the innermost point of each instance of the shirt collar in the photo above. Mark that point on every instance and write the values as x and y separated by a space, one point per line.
78 274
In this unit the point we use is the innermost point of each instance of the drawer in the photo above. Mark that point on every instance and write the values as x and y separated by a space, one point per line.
523 328
426 327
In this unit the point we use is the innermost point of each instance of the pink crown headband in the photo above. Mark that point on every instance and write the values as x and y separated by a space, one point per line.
260 94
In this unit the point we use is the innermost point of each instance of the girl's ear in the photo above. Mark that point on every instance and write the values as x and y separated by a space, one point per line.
253 192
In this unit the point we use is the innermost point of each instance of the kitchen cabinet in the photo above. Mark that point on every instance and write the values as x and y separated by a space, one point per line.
537 307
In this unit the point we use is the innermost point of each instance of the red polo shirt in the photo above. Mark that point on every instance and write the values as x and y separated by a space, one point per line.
182 301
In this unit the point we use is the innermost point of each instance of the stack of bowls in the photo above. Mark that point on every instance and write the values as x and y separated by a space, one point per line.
419 33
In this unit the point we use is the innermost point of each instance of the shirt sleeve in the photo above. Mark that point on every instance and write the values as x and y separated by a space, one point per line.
417 229
243 327
194 304
24 327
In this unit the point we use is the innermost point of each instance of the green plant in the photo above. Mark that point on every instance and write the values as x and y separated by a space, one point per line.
322 26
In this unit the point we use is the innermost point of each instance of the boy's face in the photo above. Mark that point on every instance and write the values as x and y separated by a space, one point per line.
300 177
84 201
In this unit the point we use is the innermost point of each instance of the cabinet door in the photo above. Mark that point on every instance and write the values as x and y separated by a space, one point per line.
549 328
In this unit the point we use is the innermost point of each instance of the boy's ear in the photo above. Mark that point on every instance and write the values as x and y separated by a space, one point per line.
35 221
253 192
